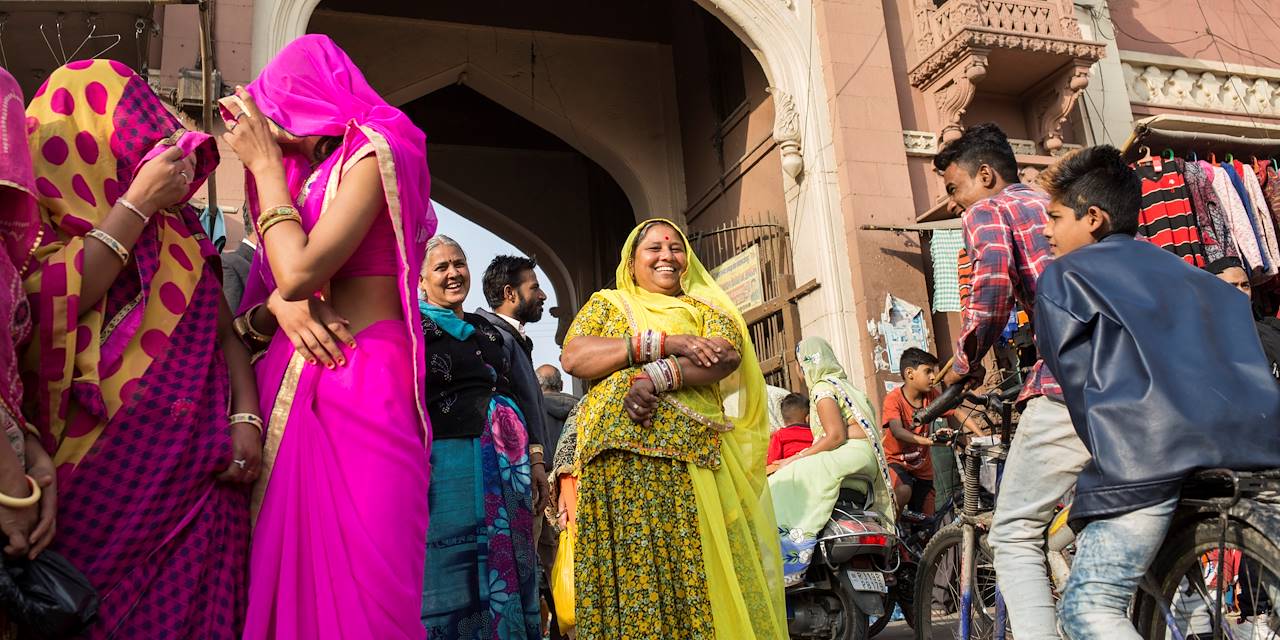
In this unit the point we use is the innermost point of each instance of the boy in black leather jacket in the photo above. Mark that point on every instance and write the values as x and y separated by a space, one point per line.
1161 370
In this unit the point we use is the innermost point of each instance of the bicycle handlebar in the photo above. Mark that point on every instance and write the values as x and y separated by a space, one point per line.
950 399
955 394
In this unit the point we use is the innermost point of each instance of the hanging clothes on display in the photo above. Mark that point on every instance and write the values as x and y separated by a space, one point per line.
1241 223
1215 235
964 273
1262 212
1166 219
944 250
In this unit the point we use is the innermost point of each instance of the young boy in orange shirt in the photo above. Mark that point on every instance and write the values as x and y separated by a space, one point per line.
906 446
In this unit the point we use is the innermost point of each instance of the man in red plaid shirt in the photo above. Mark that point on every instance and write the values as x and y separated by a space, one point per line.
1004 234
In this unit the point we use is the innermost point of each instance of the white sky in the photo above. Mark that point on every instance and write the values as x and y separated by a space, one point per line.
481 246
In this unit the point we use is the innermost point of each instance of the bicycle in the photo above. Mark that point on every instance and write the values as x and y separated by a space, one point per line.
1221 511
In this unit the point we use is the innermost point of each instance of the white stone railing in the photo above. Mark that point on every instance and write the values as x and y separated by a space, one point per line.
1200 85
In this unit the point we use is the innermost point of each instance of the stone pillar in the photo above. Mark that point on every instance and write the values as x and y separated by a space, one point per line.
871 170
1108 116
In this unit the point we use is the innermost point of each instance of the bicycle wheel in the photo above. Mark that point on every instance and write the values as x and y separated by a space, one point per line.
938 600
1184 579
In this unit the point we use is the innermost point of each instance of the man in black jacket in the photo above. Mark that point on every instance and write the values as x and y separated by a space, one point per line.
1161 370
1231 271
512 290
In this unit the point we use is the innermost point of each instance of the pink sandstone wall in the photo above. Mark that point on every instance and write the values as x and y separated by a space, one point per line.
872 170
1240 32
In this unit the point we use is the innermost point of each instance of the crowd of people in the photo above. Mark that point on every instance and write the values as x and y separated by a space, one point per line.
309 436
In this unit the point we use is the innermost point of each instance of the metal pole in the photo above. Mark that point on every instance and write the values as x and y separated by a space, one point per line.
206 70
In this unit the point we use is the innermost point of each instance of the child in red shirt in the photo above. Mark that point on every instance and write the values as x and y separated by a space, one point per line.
793 438
906 446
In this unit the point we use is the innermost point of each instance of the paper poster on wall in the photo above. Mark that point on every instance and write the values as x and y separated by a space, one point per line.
739 276
902 327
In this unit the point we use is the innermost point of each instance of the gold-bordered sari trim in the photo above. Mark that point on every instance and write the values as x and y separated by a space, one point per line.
23 271
276 423
409 273
120 316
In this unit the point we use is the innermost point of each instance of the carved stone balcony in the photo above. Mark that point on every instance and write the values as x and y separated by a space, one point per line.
1031 50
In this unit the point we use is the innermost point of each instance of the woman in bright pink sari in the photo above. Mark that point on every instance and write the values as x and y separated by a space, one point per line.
338 545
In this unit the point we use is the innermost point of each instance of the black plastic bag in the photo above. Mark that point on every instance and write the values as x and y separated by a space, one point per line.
47 598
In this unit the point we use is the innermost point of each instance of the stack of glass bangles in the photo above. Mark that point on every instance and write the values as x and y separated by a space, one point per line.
274 216
665 373
646 346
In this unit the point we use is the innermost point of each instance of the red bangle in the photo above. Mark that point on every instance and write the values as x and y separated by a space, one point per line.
662 346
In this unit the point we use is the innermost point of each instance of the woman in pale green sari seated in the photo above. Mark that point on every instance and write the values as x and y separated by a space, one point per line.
846 442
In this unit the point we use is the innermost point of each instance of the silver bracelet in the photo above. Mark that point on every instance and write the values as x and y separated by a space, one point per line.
136 211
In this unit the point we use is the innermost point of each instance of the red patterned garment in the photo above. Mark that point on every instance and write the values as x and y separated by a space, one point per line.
1166 219
1004 235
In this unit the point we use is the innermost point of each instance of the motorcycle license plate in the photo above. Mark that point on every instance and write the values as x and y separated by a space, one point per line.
868 581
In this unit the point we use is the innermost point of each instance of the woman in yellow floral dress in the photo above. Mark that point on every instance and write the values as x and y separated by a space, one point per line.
676 535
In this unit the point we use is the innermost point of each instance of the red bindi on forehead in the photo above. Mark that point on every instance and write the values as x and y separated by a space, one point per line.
666 237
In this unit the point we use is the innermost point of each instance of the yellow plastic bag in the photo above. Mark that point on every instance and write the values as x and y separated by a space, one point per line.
562 579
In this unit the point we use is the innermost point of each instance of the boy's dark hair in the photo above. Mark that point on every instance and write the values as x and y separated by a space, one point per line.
1097 177
795 402
980 144
1222 264
913 357
502 272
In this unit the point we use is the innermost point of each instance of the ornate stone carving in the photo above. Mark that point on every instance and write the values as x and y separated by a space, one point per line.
920 143
1023 147
944 34
786 131
1193 85
1053 104
955 93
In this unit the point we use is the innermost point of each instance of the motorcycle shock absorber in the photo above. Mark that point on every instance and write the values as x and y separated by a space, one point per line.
972 484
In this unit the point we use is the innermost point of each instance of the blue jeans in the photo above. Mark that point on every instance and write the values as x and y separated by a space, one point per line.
1112 555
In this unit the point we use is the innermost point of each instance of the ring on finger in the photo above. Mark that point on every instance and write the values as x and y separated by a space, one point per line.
185 176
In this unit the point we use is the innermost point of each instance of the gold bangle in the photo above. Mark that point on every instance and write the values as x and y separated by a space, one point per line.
266 226
22 503
248 325
275 215
136 211
112 244
248 418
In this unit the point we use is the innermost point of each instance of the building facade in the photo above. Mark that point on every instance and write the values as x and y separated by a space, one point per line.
559 125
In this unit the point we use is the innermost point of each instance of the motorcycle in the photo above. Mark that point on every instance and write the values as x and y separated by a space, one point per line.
843 586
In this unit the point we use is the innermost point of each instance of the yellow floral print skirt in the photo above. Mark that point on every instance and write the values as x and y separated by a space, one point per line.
639 571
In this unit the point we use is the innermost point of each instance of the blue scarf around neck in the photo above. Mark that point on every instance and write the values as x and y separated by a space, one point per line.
446 319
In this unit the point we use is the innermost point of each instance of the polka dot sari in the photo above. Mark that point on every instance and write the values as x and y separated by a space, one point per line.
131 394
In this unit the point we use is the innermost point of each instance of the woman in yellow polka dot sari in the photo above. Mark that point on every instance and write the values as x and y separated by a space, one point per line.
676 536
126 381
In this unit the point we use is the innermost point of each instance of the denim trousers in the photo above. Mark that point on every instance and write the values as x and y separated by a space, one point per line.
1044 460
1112 555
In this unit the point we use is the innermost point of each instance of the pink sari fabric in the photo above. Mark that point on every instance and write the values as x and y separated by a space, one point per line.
19 233
339 542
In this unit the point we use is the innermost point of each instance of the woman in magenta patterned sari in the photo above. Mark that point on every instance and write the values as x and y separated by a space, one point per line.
124 381
29 530
338 188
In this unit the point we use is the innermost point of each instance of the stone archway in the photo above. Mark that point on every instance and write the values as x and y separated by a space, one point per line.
567 294
782 36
